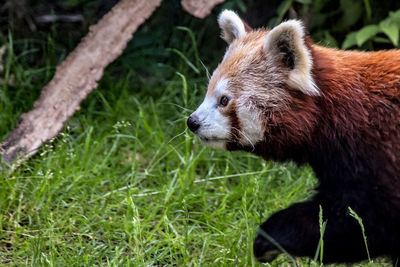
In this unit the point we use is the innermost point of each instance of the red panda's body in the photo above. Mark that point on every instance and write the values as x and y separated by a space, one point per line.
278 95
354 152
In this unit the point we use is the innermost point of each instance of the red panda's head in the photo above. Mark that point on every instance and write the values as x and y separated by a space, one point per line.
262 90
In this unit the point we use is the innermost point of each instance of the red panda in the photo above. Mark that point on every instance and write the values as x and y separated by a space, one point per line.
284 98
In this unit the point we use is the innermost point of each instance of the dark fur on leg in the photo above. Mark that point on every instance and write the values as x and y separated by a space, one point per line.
296 230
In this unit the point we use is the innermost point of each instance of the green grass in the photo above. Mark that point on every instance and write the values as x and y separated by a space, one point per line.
124 183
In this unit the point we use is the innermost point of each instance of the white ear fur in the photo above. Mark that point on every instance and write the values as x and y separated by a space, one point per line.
290 35
231 26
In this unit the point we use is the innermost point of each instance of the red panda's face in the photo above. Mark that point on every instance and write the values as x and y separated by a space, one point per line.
251 85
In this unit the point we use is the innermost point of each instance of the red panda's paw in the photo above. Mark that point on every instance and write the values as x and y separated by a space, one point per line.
293 231
263 250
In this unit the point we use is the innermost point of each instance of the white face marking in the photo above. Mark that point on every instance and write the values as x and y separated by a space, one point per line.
221 87
215 127
251 126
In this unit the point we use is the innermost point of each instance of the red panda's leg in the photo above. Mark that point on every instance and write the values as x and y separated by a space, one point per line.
296 230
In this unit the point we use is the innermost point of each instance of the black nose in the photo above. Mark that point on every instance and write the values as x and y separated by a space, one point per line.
193 123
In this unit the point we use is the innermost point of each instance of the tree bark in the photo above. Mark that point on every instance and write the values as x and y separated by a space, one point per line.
76 77
200 8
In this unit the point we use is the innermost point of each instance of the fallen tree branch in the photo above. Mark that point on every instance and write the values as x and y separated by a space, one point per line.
200 8
78 74
76 77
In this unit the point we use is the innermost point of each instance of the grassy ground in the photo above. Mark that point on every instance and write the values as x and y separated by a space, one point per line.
125 183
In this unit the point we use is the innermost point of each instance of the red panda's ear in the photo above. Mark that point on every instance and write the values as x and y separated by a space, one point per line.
286 43
231 26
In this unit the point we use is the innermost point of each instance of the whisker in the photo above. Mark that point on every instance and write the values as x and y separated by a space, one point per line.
176 136
206 69
179 106
245 136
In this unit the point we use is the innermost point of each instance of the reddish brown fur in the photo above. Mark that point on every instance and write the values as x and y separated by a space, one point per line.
362 100
350 135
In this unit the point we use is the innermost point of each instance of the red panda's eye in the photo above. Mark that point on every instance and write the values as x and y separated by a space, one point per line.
224 101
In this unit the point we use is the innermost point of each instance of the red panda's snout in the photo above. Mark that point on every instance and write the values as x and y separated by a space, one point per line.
224 118
193 123
210 124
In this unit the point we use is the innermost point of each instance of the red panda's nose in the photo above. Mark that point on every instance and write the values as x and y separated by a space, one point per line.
193 123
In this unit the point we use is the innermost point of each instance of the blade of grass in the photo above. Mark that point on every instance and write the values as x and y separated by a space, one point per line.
185 59
320 248
360 222
194 43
